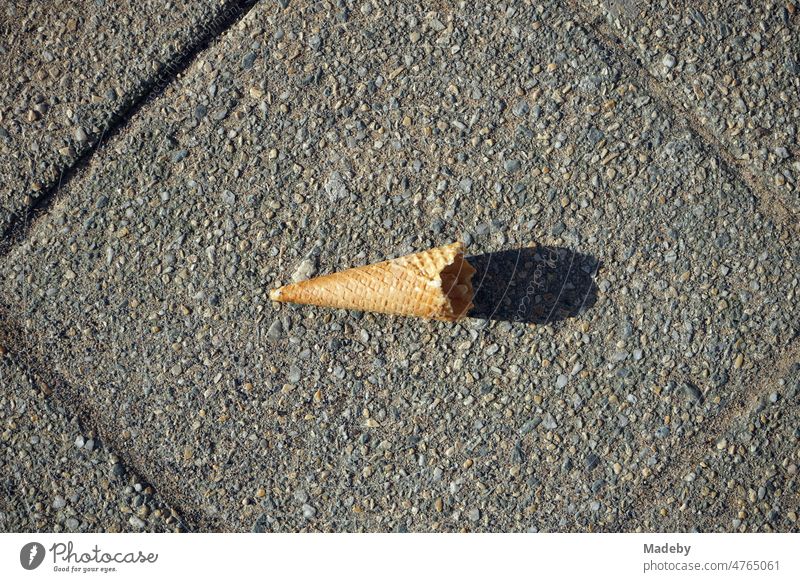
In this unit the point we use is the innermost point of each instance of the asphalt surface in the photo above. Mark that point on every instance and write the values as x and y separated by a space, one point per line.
631 365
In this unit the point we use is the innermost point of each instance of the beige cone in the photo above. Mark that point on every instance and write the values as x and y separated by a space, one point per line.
434 284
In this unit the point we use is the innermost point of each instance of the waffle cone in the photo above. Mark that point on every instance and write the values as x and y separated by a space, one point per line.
433 284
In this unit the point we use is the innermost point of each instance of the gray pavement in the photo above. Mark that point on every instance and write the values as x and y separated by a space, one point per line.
748 475
733 68
72 71
663 298
57 477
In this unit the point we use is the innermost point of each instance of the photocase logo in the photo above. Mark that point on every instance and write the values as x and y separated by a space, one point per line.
31 555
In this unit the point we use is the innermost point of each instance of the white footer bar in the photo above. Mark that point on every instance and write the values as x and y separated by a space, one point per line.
404 557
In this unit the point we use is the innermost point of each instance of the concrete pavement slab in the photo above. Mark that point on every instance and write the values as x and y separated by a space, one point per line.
58 477
746 479
733 67
305 143
72 70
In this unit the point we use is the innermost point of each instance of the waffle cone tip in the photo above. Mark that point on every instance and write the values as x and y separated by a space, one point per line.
433 284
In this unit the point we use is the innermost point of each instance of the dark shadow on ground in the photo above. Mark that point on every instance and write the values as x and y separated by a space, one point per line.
533 285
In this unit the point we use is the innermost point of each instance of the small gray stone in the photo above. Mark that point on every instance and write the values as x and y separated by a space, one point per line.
335 187
305 270
693 392
781 152
530 425
520 108
248 60
274 331
549 422
619 356
136 522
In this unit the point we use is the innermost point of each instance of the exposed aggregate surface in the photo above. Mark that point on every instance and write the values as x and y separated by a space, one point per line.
637 395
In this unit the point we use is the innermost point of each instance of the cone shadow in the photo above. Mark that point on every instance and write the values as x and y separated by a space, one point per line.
540 285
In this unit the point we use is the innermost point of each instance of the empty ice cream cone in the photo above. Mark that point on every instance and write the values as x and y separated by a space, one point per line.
433 284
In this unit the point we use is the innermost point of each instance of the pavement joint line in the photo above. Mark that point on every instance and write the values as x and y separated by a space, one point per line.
772 207
20 225
32 363
599 30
